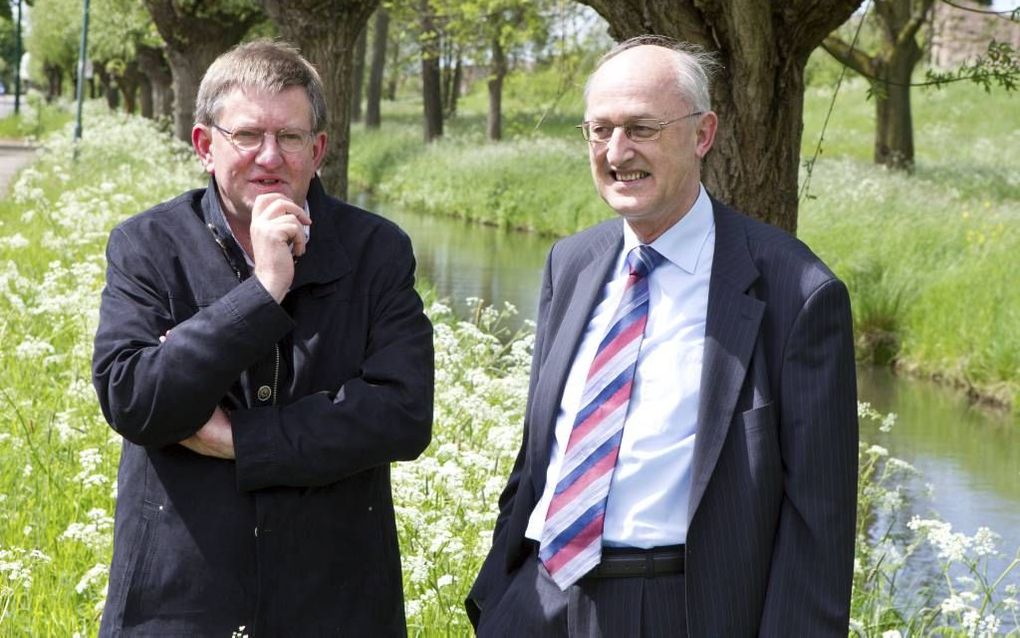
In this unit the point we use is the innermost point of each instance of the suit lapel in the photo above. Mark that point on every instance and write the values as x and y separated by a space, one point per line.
589 270
731 329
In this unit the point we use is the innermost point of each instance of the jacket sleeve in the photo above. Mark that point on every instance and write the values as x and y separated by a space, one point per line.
493 579
812 558
157 394
383 414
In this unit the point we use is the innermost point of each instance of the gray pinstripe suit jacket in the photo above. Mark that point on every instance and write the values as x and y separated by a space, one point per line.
772 507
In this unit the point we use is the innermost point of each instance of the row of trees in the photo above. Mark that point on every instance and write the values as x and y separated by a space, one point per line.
160 48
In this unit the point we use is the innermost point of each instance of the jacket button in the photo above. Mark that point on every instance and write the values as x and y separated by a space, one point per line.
264 393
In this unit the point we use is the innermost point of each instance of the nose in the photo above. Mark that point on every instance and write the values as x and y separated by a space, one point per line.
269 153
619 148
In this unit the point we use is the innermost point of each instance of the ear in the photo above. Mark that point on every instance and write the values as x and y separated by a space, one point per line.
201 141
319 149
707 126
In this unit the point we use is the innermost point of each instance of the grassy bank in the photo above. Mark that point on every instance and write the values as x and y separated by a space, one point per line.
928 256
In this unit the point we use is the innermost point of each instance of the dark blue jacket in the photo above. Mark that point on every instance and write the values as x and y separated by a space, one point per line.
297 536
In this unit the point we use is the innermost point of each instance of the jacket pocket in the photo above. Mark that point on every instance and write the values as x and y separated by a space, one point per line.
762 436
139 561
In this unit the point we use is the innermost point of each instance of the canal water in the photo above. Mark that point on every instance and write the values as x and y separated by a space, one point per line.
969 457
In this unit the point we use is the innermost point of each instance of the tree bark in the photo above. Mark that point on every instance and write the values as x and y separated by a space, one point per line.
145 97
360 48
450 69
154 66
108 85
130 82
758 95
394 79
373 113
890 71
431 79
196 33
496 75
326 32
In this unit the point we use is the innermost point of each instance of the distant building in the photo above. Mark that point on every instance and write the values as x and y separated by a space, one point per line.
959 36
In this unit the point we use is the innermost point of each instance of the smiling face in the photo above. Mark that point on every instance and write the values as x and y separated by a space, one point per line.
242 176
650 184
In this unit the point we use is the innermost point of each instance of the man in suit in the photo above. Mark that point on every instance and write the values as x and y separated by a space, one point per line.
689 462
263 353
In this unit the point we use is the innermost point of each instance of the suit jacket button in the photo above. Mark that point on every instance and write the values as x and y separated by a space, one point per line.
264 393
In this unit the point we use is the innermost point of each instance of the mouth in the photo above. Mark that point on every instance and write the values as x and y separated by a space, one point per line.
267 182
629 176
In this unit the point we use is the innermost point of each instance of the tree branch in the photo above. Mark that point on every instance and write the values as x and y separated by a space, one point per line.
847 55
918 19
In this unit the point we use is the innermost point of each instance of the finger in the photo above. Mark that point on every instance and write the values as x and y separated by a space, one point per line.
271 205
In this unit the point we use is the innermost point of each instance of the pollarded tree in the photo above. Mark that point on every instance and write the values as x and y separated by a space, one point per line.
326 32
890 70
759 96
196 33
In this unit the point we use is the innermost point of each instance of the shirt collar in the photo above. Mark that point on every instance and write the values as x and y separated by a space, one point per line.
684 241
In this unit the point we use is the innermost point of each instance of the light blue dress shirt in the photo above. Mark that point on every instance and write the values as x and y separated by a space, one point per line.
650 488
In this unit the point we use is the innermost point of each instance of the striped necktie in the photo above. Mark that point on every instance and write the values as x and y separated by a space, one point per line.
571 542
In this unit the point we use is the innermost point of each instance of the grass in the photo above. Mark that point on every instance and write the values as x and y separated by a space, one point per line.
928 256
36 120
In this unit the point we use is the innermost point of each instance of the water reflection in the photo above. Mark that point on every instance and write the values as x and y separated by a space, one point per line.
464 260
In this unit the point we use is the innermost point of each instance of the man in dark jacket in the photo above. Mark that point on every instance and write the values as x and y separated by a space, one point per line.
263 352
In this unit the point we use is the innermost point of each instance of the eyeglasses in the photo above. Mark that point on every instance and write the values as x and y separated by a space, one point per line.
248 140
639 130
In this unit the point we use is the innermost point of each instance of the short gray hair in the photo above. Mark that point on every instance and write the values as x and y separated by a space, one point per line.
695 67
263 65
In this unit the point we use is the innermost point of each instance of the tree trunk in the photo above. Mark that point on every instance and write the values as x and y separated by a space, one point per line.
431 80
894 128
359 75
54 81
456 78
496 75
195 36
890 71
326 32
758 95
130 82
373 113
108 85
154 66
145 97
394 79
450 70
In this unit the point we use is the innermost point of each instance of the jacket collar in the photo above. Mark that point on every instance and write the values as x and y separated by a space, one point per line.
325 259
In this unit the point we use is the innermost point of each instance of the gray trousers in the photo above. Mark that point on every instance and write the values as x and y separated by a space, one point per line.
534 607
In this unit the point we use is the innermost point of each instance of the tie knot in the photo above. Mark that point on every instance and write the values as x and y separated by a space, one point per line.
642 260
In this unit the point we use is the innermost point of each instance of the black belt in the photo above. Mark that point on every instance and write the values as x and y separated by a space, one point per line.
628 562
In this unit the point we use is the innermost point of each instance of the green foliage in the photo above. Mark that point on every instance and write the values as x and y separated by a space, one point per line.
999 66
55 36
